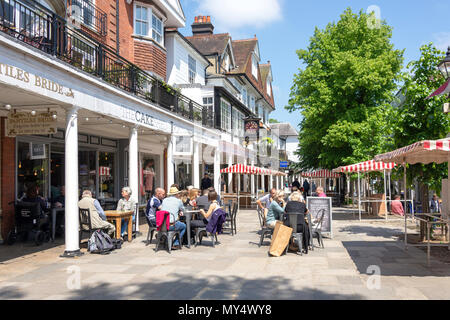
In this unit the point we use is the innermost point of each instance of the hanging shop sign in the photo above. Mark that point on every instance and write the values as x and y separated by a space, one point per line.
251 126
24 123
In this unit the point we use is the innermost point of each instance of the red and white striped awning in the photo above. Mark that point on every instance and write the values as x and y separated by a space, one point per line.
320 174
367 166
244 169
445 88
428 151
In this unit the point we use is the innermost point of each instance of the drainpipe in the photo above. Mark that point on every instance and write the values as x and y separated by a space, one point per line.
117 27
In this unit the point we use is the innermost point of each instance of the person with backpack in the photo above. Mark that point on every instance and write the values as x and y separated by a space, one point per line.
98 218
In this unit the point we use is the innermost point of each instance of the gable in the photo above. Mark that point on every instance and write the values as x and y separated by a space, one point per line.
176 5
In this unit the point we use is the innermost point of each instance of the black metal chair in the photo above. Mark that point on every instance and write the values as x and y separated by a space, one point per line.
163 233
229 220
84 216
199 236
316 229
233 217
292 221
151 232
265 231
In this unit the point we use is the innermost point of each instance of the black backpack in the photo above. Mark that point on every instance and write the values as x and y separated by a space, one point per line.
100 243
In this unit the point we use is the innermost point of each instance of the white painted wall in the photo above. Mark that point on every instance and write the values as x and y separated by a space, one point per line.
291 147
177 61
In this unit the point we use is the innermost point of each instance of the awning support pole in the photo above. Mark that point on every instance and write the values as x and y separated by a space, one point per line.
405 196
359 196
385 195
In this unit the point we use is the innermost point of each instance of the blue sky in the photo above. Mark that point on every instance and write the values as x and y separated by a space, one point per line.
283 26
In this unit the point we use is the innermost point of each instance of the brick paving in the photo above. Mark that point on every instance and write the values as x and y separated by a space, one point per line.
235 269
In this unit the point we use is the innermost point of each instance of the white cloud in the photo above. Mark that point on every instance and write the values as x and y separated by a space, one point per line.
233 14
442 40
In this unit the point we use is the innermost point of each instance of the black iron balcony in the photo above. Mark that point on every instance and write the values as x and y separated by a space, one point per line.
46 31
85 12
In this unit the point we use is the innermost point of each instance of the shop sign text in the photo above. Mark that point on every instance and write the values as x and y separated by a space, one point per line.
24 123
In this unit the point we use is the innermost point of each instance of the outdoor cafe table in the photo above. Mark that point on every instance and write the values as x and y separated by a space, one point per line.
188 214
117 216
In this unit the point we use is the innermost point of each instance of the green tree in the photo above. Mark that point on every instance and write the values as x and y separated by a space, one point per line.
343 92
273 121
418 118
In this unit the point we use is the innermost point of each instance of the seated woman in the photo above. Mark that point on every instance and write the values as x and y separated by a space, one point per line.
275 210
193 195
126 204
212 198
32 195
297 206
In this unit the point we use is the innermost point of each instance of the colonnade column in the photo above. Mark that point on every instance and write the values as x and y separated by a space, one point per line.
263 182
230 158
72 248
196 165
217 170
245 178
170 166
271 182
133 167
278 183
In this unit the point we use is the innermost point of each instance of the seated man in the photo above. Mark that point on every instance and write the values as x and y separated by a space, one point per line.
154 205
265 201
98 217
202 201
174 206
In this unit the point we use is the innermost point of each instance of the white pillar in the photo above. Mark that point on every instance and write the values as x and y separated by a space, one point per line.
71 184
245 178
196 165
133 167
230 158
161 171
271 182
277 182
170 165
263 181
252 179
217 170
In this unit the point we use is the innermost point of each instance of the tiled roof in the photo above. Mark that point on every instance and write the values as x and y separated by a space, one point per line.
242 53
284 129
209 44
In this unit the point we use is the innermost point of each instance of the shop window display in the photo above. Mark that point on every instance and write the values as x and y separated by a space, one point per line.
148 178
32 167
106 175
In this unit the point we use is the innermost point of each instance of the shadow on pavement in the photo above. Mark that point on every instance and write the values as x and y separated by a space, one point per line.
370 231
186 287
392 259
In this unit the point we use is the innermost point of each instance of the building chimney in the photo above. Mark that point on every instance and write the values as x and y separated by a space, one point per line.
202 25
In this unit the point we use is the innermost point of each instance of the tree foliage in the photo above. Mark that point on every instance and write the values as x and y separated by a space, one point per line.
344 91
418 118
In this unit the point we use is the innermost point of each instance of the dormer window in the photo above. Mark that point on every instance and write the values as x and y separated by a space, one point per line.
255 67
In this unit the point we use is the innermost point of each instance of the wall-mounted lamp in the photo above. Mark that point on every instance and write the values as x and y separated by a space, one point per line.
33 113
8 107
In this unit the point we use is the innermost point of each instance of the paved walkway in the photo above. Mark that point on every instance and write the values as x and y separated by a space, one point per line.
235 269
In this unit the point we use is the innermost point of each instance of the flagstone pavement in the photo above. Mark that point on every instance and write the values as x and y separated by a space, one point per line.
235 269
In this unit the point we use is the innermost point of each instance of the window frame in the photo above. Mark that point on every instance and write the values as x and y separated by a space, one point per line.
254 67
151 13
192 73
225 119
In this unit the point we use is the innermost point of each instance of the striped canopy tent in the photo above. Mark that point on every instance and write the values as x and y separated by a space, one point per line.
425 152
320 174
445 88
368 166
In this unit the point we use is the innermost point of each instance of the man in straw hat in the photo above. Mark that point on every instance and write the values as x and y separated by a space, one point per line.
175 207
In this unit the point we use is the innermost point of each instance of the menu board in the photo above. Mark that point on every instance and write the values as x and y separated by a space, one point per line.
318 205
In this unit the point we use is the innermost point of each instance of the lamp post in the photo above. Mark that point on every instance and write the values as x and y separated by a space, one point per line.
444 68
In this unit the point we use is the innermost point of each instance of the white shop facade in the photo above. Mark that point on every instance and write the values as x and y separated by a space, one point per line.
101 138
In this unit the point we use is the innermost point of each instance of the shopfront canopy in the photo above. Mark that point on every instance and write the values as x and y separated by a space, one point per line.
367 166
428 151
320 174
244 169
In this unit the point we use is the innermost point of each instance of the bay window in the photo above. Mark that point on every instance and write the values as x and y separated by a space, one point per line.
148 24
225 115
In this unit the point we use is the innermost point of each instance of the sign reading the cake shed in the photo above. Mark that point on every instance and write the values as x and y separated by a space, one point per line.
24 123
318 207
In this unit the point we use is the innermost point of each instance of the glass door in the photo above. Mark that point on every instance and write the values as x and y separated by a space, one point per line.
87 171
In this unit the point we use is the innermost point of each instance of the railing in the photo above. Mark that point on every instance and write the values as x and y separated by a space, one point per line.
46 31
87 13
